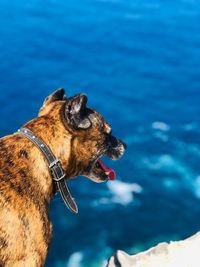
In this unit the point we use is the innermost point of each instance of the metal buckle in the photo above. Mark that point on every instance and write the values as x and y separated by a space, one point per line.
53 163
55 174
59 178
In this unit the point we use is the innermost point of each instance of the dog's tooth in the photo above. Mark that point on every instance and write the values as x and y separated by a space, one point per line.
106 173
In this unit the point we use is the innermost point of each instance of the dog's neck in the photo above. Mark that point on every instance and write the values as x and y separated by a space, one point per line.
54 134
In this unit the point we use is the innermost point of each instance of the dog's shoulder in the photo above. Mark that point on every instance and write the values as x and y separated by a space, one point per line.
12 149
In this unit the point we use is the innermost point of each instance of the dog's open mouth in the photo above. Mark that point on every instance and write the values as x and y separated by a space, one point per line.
110 173
100 172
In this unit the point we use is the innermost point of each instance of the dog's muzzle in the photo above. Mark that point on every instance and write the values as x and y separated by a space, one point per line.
115 148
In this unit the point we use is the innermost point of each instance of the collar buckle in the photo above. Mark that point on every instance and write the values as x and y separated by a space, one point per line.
56 170
56 161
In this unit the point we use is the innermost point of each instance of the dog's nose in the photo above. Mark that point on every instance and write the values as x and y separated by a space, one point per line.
115 143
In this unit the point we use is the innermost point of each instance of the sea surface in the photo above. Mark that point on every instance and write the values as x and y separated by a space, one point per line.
139 63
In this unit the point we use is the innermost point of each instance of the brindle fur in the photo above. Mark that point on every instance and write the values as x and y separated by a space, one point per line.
26 185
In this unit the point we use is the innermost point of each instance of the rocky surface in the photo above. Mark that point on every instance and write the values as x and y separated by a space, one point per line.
184 253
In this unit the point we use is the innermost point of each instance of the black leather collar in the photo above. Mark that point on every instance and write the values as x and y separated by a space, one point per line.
55 168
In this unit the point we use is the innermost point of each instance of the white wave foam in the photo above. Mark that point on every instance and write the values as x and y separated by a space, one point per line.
171 183
164 161
75 260
104 201
162 136
170 164
123 192
187 176
159 125
190 126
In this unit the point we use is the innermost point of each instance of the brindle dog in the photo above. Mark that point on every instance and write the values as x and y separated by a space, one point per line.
78 136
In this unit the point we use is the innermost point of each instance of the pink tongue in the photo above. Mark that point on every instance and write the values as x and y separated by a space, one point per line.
111 173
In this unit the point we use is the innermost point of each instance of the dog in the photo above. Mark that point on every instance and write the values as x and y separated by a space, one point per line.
78 136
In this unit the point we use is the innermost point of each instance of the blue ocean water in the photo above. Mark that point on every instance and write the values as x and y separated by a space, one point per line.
139 63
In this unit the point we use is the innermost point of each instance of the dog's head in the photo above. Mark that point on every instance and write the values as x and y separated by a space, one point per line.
91 136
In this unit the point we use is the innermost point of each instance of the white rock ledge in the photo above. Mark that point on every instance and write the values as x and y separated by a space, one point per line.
184 253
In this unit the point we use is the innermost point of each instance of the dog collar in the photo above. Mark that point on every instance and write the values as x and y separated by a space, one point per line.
55 168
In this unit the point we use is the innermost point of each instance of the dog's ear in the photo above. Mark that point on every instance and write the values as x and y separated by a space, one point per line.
55 96
75 112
